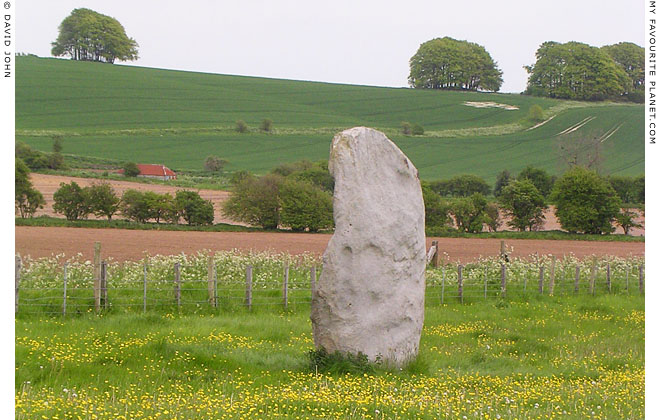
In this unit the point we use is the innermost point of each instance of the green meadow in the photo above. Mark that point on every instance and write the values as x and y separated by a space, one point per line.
178 118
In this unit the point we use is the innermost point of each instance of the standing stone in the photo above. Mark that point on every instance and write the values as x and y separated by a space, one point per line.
370 295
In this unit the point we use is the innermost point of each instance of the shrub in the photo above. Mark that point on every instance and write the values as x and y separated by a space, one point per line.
417 130
32 158
255 201
535 114
214 164
241 126
524 204
71 200
26 198
238 176
103 201
406 128
266 125
56 161
193 208
304 206
340 364
586 203
131 169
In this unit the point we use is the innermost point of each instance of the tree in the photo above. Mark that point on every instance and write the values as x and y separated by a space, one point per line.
214 164
524 204
134 206
575 71
71 200
535 113
436 211
492 217
625 188
26 198
539 177
630 58
267 125
90 36
461 186
406 128
256 201
469 213
131 169
33 159
103 201
305 206
193 208
161 207
241 126
446 63
585 202
584 149
57 144
503 179
626 219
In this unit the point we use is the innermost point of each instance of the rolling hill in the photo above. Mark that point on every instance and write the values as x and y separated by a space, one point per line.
178 118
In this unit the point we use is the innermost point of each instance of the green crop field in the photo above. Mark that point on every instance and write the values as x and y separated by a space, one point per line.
178 118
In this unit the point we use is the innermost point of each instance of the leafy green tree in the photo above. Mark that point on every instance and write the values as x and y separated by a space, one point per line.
320 177
503 179
585 202
461 186
27 199
193 209
131 169
575 71
161 207
436 210
256 201
640 189
626 219
630 57
406 128
524 204
470 213
90 36
625 188
417 130
103 201
72 201
539 177
535 113
446 63
56 161
134 206
214 164
492 217
304 206
57 144
241 126
238 176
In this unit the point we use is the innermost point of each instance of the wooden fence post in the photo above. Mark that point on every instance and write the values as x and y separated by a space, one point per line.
592 279
541 273
312 280
609 279
144 290
576 288
64 298
97 276
641 279
435 258
503 254
285 286
248 286
503 279
104 284
177 284
17 281
210 269
460 282
551 286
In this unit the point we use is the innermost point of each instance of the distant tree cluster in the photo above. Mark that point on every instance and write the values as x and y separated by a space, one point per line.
446 63
27 199
579 71
76 202
90 36
36 160
294 195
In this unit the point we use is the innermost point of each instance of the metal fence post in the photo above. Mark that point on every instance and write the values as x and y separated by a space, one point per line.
248 287
460 282
503 278
144 294
17 281
177 284
64 297
285 286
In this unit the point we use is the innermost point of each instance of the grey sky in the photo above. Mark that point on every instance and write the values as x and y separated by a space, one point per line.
344 41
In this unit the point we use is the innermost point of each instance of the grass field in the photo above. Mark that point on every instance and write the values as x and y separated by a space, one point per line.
538 358
178 118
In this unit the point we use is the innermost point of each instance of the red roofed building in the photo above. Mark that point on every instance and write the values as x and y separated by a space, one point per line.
154 171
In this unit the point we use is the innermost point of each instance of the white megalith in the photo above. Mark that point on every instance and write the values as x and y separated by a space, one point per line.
370 296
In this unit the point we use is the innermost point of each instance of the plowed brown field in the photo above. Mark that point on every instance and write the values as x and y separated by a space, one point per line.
132 244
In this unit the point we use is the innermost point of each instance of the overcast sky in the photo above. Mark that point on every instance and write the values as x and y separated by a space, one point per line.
342 41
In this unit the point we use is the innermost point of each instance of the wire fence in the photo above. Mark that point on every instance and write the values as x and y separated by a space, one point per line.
282 285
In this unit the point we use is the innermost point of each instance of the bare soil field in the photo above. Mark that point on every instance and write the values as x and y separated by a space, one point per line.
133 244
48 184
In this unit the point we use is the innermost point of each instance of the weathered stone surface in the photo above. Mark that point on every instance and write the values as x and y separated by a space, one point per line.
370 295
